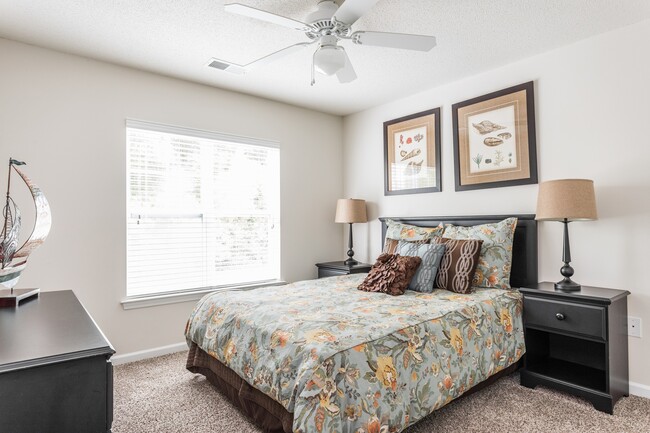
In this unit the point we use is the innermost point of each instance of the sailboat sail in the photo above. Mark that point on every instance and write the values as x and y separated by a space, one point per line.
10 269
10 232
43 220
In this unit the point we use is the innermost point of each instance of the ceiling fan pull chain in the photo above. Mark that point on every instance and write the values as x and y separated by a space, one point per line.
313 68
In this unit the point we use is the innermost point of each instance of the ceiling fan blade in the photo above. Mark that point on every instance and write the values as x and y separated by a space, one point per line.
347 73
277 55
394 40
238 8
234 68
351 10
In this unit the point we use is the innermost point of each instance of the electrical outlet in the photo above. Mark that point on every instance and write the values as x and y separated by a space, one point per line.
634 326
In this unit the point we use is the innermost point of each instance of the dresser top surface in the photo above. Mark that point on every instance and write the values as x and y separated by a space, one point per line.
52 328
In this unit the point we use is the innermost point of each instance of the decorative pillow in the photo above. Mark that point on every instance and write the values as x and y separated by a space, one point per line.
390 246
390 274
458 264
407 232
494 265
431 255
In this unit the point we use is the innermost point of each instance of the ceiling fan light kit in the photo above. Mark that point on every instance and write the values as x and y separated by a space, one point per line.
327 25
329 59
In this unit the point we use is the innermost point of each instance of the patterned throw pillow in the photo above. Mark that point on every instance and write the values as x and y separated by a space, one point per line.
431 255
458 264
391 274
390 246
494 265
407 232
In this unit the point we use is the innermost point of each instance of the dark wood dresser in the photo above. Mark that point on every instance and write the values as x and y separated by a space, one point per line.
577 342
55 368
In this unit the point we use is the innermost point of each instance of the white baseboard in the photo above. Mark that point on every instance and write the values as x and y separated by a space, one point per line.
640 389
148 353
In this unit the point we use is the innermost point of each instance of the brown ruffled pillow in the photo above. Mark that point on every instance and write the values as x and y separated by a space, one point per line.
458 264
391 274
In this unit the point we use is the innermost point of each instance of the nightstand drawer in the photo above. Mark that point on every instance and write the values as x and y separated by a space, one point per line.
322 273
564 316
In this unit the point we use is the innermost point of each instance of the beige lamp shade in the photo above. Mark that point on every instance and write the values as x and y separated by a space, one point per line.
570 199
351 210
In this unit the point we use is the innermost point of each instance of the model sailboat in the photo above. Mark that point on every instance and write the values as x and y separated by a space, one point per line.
13 259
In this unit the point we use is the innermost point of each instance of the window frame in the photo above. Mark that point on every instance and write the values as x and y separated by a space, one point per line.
191 294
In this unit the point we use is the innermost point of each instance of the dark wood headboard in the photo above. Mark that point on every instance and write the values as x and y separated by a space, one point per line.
524 248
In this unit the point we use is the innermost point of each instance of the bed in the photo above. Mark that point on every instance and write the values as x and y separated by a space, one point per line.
322 356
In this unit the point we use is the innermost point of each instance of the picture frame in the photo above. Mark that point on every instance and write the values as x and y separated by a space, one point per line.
412 154
495 140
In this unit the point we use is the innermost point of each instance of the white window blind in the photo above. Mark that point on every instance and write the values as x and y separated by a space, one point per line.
203 209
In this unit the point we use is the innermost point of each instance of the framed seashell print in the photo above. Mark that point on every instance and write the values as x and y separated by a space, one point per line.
412 153
494 139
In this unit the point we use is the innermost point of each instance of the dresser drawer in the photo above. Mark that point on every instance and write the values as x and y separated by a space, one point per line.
565 316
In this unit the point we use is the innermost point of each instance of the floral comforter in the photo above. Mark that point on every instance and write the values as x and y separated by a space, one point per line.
343 360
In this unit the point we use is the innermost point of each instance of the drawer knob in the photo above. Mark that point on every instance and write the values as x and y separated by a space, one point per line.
559 316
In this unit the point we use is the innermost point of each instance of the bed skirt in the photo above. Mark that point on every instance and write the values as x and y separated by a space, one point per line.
265 412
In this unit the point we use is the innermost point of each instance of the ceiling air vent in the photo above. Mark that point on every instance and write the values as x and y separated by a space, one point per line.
222 65
218 65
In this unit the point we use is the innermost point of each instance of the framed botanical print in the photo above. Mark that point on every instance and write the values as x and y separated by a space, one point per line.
494 139
412 153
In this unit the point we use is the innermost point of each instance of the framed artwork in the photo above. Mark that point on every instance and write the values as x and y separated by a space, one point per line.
412 153
494 139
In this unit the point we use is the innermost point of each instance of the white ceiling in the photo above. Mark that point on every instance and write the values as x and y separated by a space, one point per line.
178 37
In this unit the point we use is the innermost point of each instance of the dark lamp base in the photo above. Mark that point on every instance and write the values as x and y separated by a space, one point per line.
567 285
351 262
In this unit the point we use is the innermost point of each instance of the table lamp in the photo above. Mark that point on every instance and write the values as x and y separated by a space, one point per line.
349 211
566 200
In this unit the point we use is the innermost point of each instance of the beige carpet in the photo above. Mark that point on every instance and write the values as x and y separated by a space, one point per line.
159 395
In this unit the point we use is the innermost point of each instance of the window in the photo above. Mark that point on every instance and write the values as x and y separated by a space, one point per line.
203 210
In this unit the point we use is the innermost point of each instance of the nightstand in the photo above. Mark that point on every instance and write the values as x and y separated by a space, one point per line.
331 269
577 342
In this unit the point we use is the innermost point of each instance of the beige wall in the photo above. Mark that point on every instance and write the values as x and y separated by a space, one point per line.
65 116
593 117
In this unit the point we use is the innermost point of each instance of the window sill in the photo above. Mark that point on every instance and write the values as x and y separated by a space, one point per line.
133 302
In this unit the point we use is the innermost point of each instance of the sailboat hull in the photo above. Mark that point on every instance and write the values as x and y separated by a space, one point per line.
10 274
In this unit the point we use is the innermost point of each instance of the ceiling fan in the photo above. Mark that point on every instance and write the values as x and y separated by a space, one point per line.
326 26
